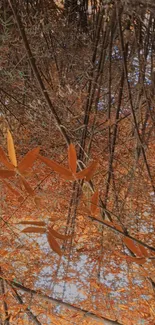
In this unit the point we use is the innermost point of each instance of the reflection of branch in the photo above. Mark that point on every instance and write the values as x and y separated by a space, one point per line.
103 223
85 313
2 289
33 65
29 313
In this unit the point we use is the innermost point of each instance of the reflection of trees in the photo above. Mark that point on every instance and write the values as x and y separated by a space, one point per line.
94 63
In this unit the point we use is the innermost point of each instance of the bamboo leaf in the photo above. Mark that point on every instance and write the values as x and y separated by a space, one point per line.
88 172
58 235
72 158
66 173
7 173
138 260
28 188
28 160
12 189
131 245
11 149
143 250
34 230
34 223
4 161
53 244
94 201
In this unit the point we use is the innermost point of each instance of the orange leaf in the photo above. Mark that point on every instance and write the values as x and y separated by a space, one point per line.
72 158
53 244
12 189
3 160
28 160
66 173
138 260
11 149
143 250
88 172
34 223
57 235
113 224
7 173
27 186
34 230
131 245
94 201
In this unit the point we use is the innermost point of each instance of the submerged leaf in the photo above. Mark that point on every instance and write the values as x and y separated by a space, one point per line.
58 235
66 173
132 247
72 158
12 189
34 230
4 161
53 244
94 201
7 173
11 149
88 172
34 223
28 160
27 186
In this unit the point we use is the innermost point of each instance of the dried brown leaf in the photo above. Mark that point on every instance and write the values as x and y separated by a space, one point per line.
64 172
53 244
11 149
27 186
28 160
58 235
34 223
4 161
94 201
131 245
88 172
72 158
7 173
38 230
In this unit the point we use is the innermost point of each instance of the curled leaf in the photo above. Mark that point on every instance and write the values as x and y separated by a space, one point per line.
4 161
7 173
11 149
64 172
38 230
88 172
72 158
94 201
28 160
58 235
53 244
